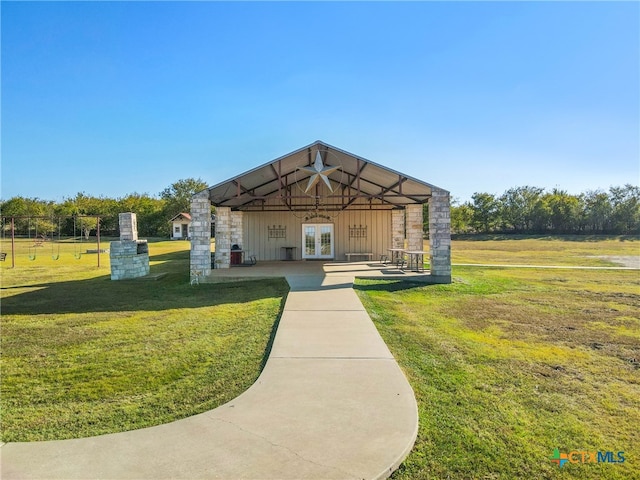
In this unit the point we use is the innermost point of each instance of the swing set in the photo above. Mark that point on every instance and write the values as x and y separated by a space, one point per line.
39 239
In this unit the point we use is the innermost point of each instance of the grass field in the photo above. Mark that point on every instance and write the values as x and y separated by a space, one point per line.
570 250
506 364
509 364
82 355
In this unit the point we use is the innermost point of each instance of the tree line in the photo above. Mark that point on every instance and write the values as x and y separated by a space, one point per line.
75 216
534 210
530 210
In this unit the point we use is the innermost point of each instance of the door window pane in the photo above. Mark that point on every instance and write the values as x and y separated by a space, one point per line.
310 240
325 240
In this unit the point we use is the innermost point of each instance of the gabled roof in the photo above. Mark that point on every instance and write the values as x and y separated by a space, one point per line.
186 216
357 180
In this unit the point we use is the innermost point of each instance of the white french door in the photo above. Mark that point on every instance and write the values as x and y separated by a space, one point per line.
317 240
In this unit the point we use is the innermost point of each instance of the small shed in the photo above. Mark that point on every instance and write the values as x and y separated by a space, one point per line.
181 226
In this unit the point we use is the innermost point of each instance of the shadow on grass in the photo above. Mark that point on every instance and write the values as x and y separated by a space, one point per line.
103 295
171 256
390 286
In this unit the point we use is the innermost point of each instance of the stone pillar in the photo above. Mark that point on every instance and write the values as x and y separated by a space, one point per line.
440 236
128 226
201 234
415 233
129 257
223 237
237 229
397 228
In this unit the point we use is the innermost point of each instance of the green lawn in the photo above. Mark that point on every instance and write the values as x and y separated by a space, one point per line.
506 364
82 355
509 364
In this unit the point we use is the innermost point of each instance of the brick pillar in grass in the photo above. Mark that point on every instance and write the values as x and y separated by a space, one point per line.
440 236
200 258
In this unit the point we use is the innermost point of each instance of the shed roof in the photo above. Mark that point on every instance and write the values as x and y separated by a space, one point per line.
186 216
355 179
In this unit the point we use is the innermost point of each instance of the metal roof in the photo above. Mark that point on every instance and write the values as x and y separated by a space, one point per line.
285 181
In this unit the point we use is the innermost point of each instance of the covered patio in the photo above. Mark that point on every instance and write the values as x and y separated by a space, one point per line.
272 269
320 203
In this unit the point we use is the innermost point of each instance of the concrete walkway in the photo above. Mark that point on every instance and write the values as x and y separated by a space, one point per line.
331 403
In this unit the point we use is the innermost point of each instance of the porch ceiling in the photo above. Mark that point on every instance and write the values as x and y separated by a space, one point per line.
356 180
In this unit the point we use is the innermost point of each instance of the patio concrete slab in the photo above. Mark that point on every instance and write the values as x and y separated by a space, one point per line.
331 403
300 269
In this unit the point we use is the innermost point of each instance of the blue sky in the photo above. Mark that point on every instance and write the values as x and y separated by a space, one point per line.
111 98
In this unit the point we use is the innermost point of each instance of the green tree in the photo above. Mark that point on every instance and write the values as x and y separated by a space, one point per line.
597 213
177 199
565 211
149 213
517 206
625 203
177 196
484 217
36 215
86 205
541 215
461 216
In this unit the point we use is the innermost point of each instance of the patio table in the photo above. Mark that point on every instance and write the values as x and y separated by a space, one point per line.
416 259
396 254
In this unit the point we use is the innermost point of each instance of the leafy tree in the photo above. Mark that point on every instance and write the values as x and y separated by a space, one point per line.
149 212
30 209
485 207
597 213
177 196
626 209
83 204
177 199
541 216
565 211
461 216
517 207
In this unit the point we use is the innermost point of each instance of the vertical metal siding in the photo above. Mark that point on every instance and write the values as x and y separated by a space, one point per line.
257 241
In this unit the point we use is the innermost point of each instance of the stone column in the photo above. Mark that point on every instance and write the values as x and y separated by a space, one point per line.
128 226
223 237
440 236
237 229
397 228
129 257
415 233
201 234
